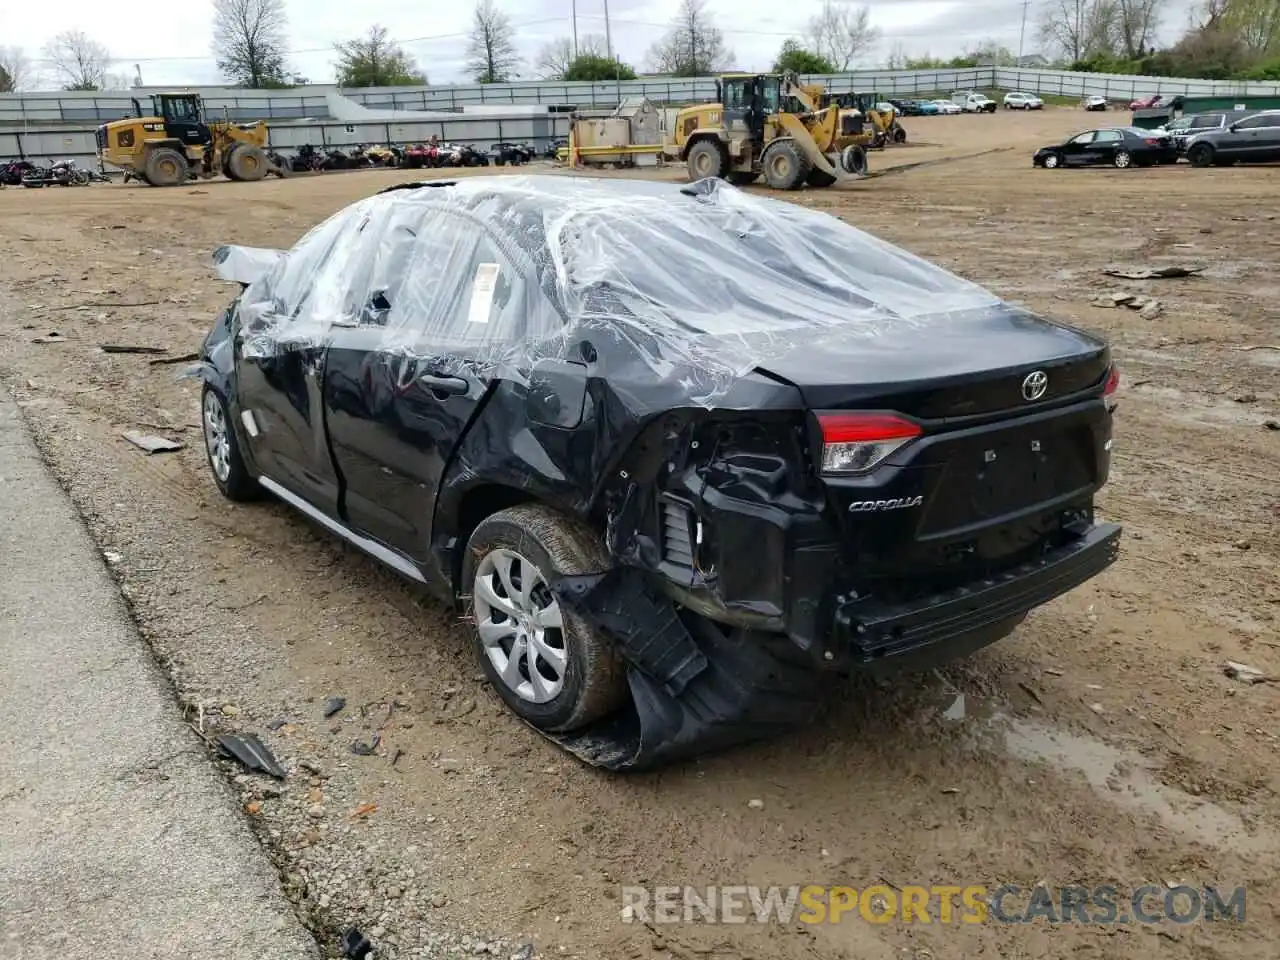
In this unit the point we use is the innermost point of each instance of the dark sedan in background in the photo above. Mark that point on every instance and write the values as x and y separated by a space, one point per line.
1112 146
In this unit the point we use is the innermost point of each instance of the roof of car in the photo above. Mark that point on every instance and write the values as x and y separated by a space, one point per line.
716 276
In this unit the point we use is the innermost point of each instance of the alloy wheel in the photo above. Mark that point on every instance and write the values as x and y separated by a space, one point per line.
520 625
215 436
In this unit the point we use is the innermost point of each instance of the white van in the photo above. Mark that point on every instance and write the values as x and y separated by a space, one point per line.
971 101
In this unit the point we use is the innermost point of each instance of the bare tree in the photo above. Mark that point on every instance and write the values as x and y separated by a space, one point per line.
1136 24
841 31
492 56
15 69
250 42
693 45
897 56
77 62
1079 29
1255 22
555 58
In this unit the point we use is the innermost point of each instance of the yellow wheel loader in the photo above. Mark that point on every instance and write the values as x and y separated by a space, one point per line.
175 143
750 133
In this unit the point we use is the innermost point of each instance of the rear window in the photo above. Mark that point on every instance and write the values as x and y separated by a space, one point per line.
735 267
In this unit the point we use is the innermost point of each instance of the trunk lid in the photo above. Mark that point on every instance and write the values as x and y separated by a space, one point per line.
944 371
1000 471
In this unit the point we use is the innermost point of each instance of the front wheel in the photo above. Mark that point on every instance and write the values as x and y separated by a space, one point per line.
1201 155
706 159
1052 161
546 663
223 450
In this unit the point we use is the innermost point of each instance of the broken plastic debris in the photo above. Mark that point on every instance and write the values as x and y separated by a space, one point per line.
1244 672
130 348
1152 273
151 443
252 752
333 705
362 749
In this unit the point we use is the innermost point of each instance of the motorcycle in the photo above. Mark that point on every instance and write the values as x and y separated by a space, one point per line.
307 160
11 173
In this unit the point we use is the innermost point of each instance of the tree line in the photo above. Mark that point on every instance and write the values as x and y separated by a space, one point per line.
1224 39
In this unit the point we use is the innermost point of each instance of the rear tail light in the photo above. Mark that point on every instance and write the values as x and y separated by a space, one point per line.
1113 381
856 442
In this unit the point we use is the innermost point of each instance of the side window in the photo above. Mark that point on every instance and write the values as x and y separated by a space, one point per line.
1270 120
1200 123
303 286
1108 136
1083 138
1252 123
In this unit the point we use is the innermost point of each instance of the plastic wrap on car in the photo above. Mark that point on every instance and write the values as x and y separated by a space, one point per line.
702 282
244 265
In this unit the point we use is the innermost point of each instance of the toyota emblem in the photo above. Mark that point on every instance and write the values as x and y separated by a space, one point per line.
1035 385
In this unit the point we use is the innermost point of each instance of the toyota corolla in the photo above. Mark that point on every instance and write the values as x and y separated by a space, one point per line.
684 453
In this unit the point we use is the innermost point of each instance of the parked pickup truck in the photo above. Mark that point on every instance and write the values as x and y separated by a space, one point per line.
971 102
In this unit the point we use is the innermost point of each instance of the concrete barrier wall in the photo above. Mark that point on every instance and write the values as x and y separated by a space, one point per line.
32 109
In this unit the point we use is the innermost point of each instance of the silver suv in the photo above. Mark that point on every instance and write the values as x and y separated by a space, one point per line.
1253 138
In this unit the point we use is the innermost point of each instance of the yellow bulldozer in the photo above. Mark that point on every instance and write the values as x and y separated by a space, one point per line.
767 125
176 143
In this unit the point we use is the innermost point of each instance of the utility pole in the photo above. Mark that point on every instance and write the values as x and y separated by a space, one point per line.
575 28
1022 34
608 45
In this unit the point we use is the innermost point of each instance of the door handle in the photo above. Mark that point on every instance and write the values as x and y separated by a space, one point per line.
453 386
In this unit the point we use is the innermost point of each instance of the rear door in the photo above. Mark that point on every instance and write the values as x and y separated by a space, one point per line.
1104 146
441 308
1268 138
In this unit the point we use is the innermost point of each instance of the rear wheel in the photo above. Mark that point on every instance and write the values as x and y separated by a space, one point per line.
247 161
544 661
899 134
785 167
1123 159
706 158
165 167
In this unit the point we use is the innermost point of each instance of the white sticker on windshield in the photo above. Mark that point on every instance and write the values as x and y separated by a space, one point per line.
482 290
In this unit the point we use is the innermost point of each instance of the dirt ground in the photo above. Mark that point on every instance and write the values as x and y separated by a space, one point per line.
1101 743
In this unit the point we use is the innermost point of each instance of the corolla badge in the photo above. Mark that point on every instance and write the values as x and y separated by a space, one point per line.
1034 385
878 506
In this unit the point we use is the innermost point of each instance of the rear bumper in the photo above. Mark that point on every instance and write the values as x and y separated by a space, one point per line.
952 624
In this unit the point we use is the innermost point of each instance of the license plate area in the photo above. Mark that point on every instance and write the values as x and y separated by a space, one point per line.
987 478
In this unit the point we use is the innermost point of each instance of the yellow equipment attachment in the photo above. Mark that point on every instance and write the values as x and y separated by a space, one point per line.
176 144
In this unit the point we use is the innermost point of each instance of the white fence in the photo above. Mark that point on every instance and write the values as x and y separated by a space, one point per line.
36 109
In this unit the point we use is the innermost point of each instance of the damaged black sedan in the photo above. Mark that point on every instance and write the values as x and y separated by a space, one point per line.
684 452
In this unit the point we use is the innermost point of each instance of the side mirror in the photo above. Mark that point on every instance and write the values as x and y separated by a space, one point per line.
1234 127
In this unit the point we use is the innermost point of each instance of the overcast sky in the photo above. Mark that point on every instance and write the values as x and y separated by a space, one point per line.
174 48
